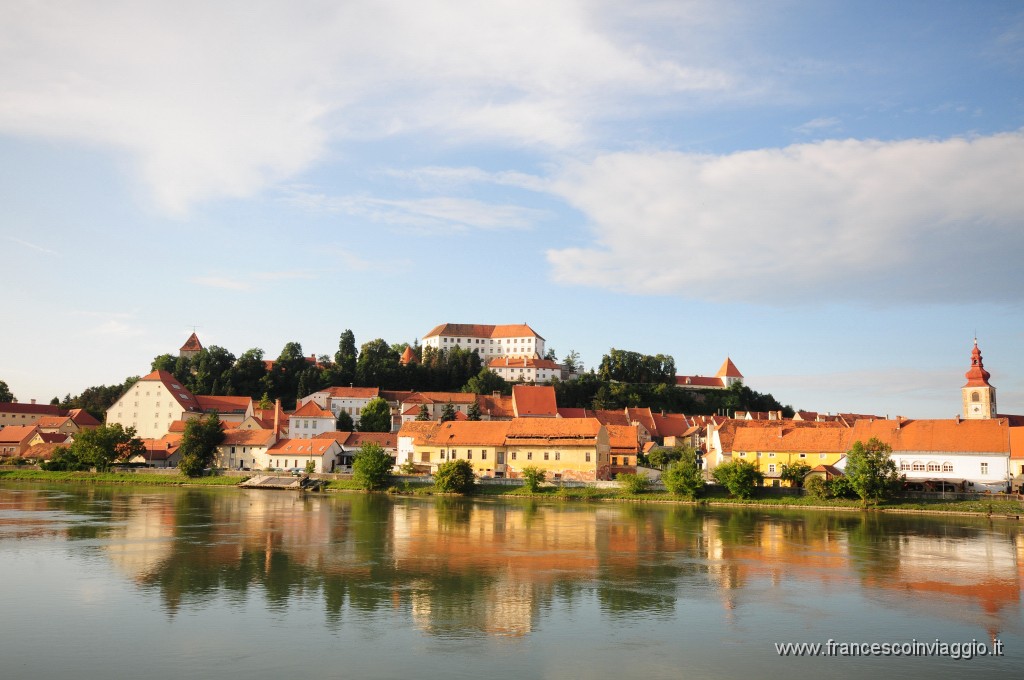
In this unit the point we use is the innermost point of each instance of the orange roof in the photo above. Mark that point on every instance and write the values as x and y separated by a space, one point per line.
17 434
1017 442
192 344
419 430
52 421
476 330
387 440
352 392
55 437
785 437
534 400
644 417
248 438
303 447
498 406
83 418
18 407
560 428
466 433
955 435
575 413
221 404
697 381
445 397
179 392
671 424
624 437
41 451
611 417
311 410
408 357
728 370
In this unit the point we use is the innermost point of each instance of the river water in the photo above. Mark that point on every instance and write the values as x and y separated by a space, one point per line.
102 582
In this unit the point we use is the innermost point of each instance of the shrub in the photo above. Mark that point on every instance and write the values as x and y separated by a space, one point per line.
455 476
739 477
684 477
533 477
816 487
371 468
634 484
840 487
310 467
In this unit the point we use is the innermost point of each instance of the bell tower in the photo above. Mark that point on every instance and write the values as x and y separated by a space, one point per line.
978 395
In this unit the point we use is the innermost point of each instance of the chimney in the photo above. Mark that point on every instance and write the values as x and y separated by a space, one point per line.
32 401
277 415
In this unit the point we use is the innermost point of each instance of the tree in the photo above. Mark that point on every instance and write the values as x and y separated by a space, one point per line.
97 448
345 422
533 477
424 413
455 476
661 458
632 367
377 365
199 444
474 411
739 477
487 382
633 483
247 378
684 477
345 358
795 473
572 362
376 416
871 471
5 393
371 468
448 412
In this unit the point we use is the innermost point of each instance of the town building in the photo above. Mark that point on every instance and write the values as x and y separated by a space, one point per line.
310 420
525 369
16 413
979 396
489 341
727 376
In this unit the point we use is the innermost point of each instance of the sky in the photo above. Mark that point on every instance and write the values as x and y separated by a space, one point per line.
829 193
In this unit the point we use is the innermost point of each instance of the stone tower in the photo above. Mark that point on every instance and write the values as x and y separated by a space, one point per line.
979 396
191 347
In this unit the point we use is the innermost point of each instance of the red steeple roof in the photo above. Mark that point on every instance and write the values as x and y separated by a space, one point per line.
192 344
728 370
977 376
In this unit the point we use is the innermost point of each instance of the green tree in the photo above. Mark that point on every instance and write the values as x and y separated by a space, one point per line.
871 471
376 416
572 362
345 422
448 412
248 377
739 477
533 477
199 444
633 483
684 477
377 365
661 458
487 382
474 411
795 473
97 448
424 413
6 397
345 358
371 467
455 476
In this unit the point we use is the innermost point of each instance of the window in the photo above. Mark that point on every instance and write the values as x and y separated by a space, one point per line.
771 468
918 466
513 455
904 465
546 455
803 455
984 468
469 454
425 457
947 467
743 454
588 456
558 455
934 467
615 460
758 454
529 455
771 455
483 455
821 455
975 396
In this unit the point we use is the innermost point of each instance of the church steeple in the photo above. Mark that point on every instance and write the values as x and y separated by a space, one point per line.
979 396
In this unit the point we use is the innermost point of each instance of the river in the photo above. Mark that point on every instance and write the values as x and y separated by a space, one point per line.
109 582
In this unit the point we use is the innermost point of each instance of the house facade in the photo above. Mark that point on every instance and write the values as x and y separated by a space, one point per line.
525 369
152 404
489 341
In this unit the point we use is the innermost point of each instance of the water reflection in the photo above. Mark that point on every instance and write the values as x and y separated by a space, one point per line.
458 568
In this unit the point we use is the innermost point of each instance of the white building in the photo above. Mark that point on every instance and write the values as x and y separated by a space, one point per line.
527 369
152 404
337 400
310 421
490 341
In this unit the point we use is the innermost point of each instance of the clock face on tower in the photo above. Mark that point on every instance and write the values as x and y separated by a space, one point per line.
977 409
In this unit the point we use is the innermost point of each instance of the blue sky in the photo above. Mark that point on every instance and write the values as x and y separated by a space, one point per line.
831 193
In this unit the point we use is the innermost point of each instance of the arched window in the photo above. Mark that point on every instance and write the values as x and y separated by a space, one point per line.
918 466
975 396
947 467
933 467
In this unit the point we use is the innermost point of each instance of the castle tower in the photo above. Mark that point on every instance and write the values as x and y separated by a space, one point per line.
191 347
978 395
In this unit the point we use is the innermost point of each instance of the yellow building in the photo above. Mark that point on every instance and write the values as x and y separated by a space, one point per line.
771 449
564 448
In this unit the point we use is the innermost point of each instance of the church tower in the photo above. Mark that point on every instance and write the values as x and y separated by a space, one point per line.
979 396
191 347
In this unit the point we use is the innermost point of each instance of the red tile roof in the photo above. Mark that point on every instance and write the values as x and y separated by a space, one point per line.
55 437
179 392
1017 442
553 428
41 409
475 330
387 440
671 424
787 438
311 410
352 392
534 400
521 362
17 434
611 417
644 417
221 404
624 438
445 397
41 451
461 433
83 418
728 370
408 357
575 413
192 344
52 421
302 447
498 406
968 436
248 438
698 381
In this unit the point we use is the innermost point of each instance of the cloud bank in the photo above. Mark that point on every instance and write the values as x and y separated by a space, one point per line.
867 221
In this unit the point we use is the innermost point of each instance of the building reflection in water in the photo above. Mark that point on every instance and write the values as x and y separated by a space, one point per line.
459 568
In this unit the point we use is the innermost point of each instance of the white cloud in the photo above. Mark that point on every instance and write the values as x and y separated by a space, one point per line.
818 125
221 282
226 98
888 222
32 246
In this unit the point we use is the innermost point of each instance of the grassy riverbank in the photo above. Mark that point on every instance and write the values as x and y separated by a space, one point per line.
126 478
981 506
